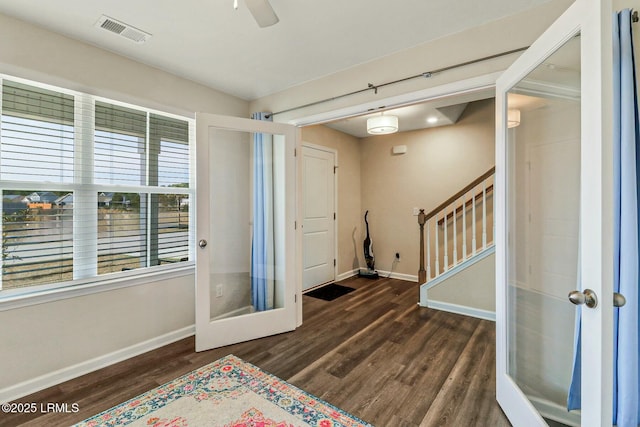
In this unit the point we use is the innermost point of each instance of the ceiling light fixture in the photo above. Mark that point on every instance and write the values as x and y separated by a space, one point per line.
513 118
432 120
382 125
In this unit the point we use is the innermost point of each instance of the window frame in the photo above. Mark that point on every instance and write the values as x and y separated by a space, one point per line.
84 128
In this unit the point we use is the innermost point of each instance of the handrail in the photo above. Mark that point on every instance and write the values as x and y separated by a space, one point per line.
460 193
468 203
449 210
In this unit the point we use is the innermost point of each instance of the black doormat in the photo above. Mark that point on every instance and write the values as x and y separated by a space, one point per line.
330 292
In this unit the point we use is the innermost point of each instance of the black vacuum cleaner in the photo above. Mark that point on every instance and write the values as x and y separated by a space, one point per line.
370 272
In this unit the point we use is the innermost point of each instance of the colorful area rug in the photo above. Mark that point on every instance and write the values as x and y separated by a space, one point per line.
227 393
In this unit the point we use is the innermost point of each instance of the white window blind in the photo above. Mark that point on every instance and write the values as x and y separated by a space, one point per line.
89 188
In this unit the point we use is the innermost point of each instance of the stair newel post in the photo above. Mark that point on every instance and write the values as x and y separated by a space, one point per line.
422 273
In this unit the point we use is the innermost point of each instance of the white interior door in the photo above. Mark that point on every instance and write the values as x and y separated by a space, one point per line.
237 297
554 221
318 216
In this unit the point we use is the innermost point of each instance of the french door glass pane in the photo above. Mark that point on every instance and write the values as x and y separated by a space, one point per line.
543 149
245 279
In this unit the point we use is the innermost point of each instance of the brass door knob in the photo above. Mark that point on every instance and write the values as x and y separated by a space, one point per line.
587 297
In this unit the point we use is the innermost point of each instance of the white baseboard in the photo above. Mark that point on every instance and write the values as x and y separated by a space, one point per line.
399 276
347 274
462 309
25 388
382 273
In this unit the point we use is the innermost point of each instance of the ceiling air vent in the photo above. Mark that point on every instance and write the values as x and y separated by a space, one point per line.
122 29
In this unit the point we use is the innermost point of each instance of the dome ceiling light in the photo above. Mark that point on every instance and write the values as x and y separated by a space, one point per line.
382 125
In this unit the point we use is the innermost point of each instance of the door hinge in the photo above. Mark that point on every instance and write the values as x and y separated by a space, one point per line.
295 152
334 216
334 169
295 298
295 225
334 262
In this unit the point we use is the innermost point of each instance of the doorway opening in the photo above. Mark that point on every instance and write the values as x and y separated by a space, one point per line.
392 175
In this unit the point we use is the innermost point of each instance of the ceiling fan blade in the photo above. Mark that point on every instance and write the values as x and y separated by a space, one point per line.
262 12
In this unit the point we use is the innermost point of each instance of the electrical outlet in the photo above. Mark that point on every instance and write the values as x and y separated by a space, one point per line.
398 256
219 291
416 211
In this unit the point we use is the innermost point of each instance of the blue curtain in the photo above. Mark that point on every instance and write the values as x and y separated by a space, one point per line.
626 354
262 244
626 395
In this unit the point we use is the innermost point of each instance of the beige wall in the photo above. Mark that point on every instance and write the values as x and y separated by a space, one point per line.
34 53
47 339
472 287
439 162
349 214
67 336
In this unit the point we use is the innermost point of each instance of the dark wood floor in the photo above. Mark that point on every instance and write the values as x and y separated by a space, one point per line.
374 353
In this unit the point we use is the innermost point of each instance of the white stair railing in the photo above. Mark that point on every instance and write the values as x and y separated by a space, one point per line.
451 223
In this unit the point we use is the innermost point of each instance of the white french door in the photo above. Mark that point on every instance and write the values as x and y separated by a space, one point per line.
554 200
227 306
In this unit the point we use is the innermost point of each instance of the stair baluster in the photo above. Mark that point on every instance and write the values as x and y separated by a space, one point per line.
454 210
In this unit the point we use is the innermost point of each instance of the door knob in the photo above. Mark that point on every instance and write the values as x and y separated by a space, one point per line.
202 243
588 298
618 300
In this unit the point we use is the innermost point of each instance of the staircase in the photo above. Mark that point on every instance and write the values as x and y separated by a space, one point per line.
457 272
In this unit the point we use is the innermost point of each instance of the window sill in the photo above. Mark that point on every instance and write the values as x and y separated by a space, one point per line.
11 302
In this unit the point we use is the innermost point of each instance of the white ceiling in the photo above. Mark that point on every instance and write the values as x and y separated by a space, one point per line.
211 43
445 111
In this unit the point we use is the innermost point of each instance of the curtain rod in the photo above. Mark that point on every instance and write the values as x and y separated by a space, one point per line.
426 75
